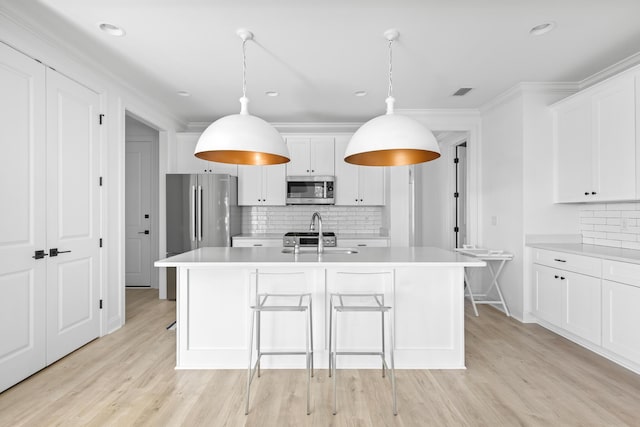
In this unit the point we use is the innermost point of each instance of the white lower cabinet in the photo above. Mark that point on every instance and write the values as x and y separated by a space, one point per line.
581 306
567 299
620 319
547 294
601 308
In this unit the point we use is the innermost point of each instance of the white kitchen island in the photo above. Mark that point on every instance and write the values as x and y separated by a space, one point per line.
216 286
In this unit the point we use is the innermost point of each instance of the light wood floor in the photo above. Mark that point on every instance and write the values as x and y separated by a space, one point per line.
516 375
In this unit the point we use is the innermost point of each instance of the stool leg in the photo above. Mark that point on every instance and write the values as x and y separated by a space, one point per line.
383 354
246 406
309 362
393 366
258 341
330 332
311 330
333 356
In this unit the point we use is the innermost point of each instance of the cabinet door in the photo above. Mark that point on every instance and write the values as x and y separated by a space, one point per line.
346 190
249 185
547 294
299 156
274 187
22 228
620 319
371 185
615 141
582 306
574 148
187 162
356 243
322 155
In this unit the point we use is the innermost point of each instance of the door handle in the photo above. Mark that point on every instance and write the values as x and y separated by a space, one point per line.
39 254
143 232
54 252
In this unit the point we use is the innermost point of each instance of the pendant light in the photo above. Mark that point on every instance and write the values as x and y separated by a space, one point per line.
391 139
242 138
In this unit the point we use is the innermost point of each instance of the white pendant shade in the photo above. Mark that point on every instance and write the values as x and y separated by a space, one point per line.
391 140
242 139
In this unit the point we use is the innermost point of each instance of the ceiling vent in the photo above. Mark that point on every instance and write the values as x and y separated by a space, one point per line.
462 91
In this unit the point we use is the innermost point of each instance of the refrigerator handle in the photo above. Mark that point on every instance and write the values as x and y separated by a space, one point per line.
199 206
192 214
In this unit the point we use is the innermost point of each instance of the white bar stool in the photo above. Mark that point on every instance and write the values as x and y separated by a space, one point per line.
342 303
270 302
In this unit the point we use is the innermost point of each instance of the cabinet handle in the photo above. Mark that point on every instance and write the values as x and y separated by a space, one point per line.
362 244
556 276
307 170
586 193
561 278
257 244
559 260
593 192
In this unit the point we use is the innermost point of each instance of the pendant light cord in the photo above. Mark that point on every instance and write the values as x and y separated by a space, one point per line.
390 93
244 68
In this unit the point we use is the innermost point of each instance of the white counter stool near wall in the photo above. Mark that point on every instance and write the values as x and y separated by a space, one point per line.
279 303
362 302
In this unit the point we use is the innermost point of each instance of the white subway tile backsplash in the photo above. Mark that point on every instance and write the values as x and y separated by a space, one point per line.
340 219
611 224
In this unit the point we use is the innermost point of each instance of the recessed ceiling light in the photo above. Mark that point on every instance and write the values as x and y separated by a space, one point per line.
183 93
541 29
111 29
271 93
360 93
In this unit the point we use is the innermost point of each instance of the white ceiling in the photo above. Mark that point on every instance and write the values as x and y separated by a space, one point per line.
317 53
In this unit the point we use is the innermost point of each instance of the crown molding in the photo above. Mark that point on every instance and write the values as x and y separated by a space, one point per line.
612 70
530 87
293 127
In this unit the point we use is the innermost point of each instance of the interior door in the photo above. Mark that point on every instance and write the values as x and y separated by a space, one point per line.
73 221
137 210
22 217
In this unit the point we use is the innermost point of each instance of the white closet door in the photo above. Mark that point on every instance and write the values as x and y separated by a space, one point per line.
22 217
72 216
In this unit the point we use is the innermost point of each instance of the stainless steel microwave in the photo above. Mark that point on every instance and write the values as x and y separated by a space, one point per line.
310 190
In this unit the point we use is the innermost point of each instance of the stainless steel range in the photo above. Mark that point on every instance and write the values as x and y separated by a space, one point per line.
308 238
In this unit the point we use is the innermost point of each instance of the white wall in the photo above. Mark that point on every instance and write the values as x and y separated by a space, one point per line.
517 182
116 97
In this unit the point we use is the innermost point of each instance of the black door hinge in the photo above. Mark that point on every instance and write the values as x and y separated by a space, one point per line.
100 304
456 229
101 242
456 194
100 117
456 160
100 181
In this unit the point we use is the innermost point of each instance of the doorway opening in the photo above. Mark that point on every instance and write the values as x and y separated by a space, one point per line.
141 203
460 195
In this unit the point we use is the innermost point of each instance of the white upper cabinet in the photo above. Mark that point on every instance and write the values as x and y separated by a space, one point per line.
595 143
310 155
186 162
261 185
357 185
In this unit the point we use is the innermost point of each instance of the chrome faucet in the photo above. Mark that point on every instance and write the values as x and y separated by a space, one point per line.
312 228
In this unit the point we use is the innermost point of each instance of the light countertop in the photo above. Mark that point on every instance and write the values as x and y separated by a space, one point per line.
602 252
256 257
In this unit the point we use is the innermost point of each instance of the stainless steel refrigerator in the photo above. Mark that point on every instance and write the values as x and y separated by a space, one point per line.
202 211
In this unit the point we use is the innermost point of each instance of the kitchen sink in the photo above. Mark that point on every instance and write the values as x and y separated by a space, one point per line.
313 250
